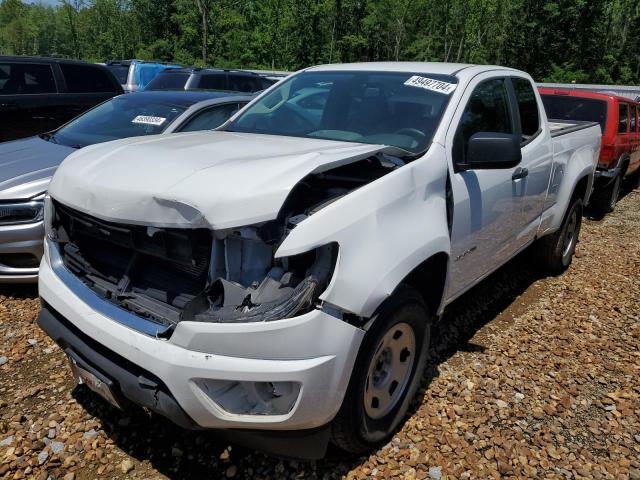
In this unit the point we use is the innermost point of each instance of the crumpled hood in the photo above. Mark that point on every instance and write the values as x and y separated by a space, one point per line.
206 179
27 165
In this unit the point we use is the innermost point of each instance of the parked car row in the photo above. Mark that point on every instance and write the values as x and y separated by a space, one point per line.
619 119
27 165
38 94
277 278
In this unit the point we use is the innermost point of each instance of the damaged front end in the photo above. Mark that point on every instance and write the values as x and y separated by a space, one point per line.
169 275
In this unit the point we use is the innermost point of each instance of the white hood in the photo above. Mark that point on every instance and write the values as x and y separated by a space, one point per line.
213 179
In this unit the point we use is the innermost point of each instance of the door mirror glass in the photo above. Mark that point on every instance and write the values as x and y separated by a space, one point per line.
490 150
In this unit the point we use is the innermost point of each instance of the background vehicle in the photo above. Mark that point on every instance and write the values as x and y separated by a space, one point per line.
209 79
620 123
26 166
279 281
631 92
134 75
38 94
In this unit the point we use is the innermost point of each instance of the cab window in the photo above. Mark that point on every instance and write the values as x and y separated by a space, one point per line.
527 107
486 111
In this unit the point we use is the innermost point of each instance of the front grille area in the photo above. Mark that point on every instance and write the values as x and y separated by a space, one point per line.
154 272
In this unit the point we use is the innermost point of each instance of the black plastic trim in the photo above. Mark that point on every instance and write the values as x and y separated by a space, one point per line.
132 382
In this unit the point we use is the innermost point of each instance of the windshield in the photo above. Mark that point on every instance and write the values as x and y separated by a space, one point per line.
388 108
129 115
168 81
121 72
575 108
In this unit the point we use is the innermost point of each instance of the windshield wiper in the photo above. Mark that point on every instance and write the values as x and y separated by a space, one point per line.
49 137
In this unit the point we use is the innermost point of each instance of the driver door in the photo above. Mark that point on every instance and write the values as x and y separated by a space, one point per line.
486 202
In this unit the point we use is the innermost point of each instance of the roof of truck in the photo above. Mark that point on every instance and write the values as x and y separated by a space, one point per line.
441 68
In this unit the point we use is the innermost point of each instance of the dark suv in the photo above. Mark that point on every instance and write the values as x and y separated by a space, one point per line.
40 94
209 79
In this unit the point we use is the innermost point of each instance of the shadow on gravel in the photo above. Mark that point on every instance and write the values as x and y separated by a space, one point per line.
627 188
19 292
178 453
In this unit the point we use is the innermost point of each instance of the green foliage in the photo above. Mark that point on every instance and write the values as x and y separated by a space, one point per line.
554 40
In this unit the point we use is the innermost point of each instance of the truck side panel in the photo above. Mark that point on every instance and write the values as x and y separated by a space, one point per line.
575 157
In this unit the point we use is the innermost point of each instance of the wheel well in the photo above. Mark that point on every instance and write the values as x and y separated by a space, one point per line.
580 190
429 280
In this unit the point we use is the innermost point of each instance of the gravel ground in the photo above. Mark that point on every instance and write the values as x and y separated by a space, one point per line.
531 377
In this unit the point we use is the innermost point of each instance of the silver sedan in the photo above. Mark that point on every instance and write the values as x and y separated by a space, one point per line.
27 165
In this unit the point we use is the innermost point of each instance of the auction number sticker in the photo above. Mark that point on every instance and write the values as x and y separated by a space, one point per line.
431 84
148 120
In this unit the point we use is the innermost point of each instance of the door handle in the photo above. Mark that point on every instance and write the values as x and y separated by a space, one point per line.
520 173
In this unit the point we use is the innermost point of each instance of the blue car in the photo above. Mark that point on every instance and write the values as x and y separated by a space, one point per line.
134 75
27 165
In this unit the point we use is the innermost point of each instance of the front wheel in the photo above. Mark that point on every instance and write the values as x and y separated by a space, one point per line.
555 251
386 375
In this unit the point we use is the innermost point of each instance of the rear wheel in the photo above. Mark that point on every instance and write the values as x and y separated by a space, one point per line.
555 251
386 375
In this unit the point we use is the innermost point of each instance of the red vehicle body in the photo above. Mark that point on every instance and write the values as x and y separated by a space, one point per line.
619 119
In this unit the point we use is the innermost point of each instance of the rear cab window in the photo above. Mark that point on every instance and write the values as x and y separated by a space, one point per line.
566 107
527 108
26 79
86 79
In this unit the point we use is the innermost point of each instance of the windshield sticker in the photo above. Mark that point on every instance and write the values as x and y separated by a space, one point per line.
148 120
431 84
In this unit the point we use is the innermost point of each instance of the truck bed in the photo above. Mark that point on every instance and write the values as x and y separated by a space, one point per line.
562 127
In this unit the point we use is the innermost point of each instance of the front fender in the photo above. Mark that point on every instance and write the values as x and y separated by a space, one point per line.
384 229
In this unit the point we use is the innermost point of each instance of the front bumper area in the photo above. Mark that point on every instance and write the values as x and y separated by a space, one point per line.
17 243
315 350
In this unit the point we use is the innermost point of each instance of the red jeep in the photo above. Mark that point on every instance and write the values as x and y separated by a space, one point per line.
620 124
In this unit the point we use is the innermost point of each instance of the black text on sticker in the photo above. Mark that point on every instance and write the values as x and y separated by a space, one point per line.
431 84
148 120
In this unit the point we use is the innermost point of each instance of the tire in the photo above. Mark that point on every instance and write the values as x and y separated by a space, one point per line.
605 199
368 416
555 251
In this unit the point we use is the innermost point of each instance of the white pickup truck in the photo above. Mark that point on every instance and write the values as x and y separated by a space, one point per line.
277 279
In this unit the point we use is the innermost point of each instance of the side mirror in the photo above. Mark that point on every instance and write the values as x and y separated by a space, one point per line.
488 150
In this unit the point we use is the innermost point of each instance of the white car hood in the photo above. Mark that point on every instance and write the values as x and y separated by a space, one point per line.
213 179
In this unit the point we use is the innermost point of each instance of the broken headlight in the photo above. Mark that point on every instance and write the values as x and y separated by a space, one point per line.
247 284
